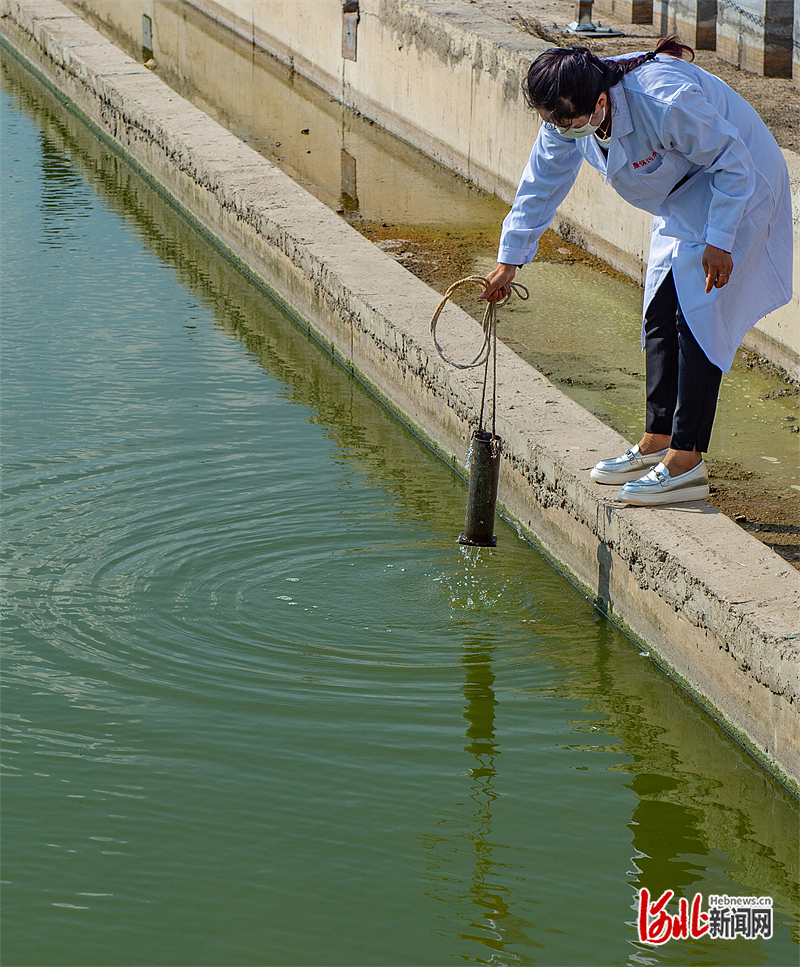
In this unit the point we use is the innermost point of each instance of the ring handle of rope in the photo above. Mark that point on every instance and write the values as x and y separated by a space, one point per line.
489 319
489 326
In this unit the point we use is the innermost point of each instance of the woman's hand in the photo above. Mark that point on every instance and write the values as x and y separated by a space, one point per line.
498 279
717 265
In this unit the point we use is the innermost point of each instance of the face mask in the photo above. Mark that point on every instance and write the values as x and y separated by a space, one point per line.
583 131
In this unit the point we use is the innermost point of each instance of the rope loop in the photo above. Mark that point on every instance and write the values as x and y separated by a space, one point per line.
489 324
489 347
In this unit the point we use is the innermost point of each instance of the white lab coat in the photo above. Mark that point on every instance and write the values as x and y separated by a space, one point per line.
671 119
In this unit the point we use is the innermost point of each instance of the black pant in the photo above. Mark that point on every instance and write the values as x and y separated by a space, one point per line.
682 383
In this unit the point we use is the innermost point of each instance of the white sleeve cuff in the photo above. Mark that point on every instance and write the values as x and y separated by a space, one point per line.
719 239
514 256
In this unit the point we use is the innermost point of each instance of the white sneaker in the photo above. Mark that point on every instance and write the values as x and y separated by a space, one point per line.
658 487
630 466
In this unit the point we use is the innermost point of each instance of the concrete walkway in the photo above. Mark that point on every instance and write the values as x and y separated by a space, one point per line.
716 608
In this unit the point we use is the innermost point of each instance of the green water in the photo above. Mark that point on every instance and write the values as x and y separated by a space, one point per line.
258 707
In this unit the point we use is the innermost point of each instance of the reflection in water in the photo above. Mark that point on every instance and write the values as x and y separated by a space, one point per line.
65 196
487 894
488 904
314 138
665 835
349 183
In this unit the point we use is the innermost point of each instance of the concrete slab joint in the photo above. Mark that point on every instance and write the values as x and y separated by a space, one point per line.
757 35
695 21
716 608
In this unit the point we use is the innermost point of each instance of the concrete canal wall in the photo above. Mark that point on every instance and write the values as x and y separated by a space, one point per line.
716 608
445 78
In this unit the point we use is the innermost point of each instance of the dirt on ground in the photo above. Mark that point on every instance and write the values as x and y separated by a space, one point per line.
771 516
440 258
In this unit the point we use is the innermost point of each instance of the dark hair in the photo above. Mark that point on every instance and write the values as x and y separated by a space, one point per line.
565 82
